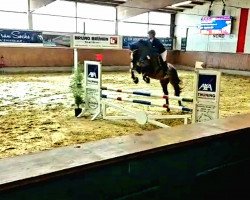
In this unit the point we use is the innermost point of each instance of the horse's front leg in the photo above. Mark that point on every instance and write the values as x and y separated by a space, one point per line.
164 85
145 78
134 78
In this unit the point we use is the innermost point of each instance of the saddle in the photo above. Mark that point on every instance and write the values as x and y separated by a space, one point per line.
154 64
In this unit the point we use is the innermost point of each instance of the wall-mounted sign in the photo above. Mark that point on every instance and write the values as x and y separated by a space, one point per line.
56 40
128 40
20 36
183 44
95 41
216 25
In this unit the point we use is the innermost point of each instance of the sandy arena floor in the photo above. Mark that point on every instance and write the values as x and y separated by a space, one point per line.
37 111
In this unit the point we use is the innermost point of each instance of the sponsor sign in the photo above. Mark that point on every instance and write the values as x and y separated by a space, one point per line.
216 25
56 40
95 42
92 78
207 94
20 36
183 44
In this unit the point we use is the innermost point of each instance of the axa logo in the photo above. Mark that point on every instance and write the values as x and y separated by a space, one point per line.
206 87
92 75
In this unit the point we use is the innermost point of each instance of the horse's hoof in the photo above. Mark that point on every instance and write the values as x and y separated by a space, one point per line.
136 80
147 80
168 109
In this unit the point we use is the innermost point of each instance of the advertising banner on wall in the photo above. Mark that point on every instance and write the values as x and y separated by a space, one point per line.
128 40
12 37
183 44
216 25
96 41
56 40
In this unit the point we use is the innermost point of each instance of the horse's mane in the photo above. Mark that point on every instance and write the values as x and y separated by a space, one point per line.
140 44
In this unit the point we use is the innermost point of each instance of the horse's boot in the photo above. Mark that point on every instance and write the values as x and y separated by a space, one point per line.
146 79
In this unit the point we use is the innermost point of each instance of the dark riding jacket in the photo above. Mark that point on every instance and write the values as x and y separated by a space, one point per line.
157 46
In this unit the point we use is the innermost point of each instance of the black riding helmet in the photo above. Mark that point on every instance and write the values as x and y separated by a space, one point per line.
152 32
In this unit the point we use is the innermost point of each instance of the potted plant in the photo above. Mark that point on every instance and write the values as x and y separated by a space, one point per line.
77 88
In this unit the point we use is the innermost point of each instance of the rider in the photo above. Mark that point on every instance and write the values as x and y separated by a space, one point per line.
157 47
156 43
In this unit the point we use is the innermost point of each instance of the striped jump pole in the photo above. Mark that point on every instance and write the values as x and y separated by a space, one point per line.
148 103
148 94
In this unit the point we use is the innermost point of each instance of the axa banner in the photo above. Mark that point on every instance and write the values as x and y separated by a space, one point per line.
21 36
95 41
128 40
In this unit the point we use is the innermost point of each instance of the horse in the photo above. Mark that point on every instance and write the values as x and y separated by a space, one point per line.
145 61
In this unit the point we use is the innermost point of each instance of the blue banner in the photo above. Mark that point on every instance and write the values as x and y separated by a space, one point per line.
20 36
128 40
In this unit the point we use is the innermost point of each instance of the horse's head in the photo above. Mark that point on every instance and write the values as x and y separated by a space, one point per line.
140 54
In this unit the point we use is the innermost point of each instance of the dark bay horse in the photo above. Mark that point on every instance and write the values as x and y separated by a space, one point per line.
149 63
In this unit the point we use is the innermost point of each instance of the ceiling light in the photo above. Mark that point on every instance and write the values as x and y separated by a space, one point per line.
181 4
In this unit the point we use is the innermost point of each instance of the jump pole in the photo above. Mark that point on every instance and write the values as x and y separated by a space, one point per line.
148 103
148 94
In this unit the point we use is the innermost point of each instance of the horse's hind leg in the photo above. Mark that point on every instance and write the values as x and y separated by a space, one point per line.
177 89
164 85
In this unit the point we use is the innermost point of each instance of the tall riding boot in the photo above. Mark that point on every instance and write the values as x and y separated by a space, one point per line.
164 65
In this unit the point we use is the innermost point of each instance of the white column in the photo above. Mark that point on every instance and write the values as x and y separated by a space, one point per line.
30 18
75 59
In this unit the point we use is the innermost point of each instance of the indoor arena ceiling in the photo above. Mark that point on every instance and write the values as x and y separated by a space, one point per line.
130 8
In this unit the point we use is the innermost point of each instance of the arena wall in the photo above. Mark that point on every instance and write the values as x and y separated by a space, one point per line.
63 57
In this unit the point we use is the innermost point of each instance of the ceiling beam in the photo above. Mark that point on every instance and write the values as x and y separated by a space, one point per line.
184 6
166 10
35 4
102 2
175 8
135 7
197 3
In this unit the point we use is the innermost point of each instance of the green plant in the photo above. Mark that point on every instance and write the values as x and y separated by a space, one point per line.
77 85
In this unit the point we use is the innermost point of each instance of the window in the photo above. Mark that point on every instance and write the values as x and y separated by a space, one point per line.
142 18
13 20
159 18
63 8
54 23
95 11
96 27
161 30
131 29
14 5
